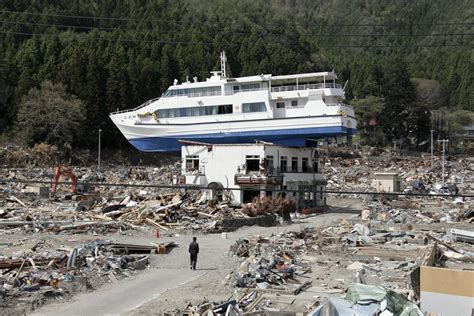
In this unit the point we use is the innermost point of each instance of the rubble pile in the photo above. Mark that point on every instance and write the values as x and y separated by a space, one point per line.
358 174
266 205
282 273
418 211
366 263
273 262
103 212
44 155
42 272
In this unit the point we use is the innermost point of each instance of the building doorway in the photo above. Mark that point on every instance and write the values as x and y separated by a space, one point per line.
249 195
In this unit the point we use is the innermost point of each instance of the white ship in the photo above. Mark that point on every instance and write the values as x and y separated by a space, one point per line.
291 110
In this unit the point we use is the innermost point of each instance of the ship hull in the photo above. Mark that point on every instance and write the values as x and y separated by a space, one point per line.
293 137
302 131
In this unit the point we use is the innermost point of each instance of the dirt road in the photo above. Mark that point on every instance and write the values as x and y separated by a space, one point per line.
116 299
169 282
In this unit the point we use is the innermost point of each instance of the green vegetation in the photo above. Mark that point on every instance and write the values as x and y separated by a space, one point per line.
118 54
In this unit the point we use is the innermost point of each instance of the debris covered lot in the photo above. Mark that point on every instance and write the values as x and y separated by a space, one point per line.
254 257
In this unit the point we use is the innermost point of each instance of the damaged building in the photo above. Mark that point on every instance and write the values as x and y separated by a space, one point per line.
259 169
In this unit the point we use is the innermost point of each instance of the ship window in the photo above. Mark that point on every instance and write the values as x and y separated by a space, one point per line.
192 111
195 111
193 92
294 102
192 163
280 105
224 109
253 107
236 88
250 87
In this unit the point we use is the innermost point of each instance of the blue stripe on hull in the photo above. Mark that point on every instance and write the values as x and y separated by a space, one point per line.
289 137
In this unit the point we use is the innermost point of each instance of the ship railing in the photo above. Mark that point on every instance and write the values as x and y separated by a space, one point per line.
194 94
312 86
342 106
338 104
137 108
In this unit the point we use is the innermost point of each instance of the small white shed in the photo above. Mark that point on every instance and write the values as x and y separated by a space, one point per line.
387 182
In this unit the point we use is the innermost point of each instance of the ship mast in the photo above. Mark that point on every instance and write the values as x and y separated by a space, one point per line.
224 71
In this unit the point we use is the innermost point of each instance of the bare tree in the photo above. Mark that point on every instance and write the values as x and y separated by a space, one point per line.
50 115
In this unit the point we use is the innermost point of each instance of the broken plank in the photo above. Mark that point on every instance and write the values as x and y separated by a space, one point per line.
15 199
442 243
152 222
294 291
302 287
207 215
166 206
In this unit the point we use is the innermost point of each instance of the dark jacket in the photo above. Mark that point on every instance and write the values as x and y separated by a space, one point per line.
194 248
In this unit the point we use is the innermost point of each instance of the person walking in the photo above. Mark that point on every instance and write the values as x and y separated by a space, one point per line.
193 252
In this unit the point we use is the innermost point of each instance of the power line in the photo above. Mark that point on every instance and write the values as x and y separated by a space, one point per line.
179 21
198 188
71 16
314 34
113 39
82 27
230 44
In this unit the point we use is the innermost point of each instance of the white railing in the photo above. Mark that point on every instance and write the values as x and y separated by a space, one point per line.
306 87
337 104
194 94
137 108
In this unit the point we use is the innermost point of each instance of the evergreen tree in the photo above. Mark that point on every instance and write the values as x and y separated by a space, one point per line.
124 61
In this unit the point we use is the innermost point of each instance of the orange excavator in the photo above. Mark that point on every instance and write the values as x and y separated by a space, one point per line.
60 171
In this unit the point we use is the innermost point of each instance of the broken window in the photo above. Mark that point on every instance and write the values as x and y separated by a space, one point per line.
294 164
192 163
252 163
283 164
304 165
270 164
315 166
280 105
249 196
294 102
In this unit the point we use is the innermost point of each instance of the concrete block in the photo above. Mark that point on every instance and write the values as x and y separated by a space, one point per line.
140 264
42 191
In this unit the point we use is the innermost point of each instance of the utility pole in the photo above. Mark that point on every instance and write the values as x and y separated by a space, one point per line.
432 158
444 141
98 155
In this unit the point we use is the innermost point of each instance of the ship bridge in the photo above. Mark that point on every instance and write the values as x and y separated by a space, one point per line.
308 81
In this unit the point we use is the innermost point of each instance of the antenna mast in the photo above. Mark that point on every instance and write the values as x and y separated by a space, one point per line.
224 71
